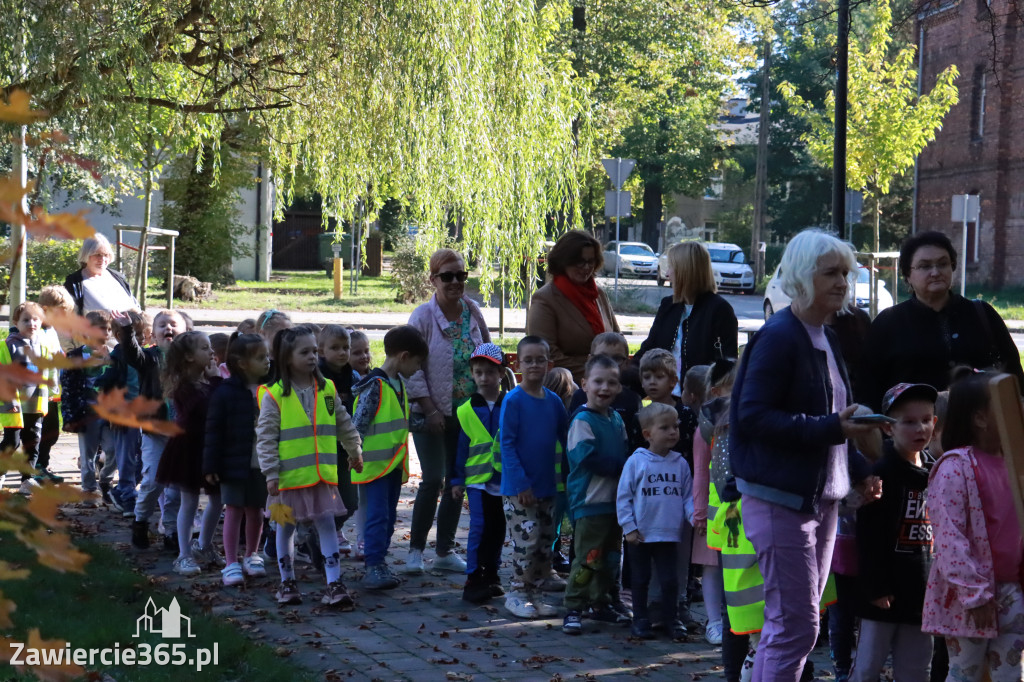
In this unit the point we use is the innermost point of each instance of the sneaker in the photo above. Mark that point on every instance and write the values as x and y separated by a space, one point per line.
337 595
28 486
641 628
206 555
606 614
171 542
476 592
118 506
360 551
105 491
713 634
619 607
288 593
186 565
379 577
553 583
544 610
687 619
572 624
232 574
520 606
253 566
450 562
91 502
302 554
414 562
344 546
678 630
140 534
44 475
496 590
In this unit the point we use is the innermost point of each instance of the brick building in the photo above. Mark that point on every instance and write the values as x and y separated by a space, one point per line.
980 149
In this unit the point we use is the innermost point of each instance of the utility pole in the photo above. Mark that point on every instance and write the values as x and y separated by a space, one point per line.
761 169
839 149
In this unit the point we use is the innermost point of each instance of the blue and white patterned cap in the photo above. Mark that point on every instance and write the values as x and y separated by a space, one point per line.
489 351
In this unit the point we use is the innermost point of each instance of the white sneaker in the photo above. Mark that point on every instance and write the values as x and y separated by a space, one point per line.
520 606
414 563
713 633
253 565
232 574
543 609
186 565
450 562
28 486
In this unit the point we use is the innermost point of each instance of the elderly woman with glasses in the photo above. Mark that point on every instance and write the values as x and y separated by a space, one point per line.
453 326
96 286
791 417
570 310
920 340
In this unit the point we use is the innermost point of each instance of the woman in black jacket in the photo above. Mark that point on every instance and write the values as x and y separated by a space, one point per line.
696 324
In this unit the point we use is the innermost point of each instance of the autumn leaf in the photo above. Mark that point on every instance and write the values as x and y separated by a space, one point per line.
282 514
46 500
64 362
44 671
9 571
7 607
75 326
59 225
12 460
11 191
54 549
112 406
18 109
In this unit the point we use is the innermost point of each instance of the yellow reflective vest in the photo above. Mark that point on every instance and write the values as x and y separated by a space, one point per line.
10 412
308 448
484 457
385 443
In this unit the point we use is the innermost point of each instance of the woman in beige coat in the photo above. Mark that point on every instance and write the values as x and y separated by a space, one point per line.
570 310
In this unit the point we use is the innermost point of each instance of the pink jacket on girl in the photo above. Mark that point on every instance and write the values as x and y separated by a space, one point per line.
962 575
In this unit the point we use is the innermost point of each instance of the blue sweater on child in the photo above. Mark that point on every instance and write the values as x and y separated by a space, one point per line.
530 429
597 452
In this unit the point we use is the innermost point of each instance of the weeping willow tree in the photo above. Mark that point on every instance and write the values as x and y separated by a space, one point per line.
458 107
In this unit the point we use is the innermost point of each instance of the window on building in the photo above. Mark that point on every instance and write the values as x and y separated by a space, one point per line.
978 96
714 191
710 230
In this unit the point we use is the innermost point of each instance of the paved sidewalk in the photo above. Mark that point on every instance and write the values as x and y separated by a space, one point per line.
421 631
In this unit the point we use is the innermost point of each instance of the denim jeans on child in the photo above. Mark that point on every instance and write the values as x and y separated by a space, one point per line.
149 490
126 451
97 434
381 497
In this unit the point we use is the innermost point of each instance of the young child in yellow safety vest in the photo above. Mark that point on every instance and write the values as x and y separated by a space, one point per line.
478 472
382 418
52 298
22 419
300 424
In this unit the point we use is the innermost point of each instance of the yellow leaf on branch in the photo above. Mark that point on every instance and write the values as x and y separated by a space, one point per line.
9 571
59 225
46 500
54 549
137 413
282 513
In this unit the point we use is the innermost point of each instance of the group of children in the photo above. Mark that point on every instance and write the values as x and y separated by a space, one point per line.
296 416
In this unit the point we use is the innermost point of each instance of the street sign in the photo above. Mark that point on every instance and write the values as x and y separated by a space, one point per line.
618 170
620 199
973 208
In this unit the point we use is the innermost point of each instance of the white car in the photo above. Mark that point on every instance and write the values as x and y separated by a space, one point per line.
728 263
775 299
636 259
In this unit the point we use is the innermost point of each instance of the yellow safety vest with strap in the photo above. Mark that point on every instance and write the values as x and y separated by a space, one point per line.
10 412
742 579
308 448
715 527
385 444
484 458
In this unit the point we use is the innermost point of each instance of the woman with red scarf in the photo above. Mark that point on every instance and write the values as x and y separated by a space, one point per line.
570 310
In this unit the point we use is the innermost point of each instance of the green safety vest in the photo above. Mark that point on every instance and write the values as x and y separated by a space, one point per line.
559 456
484 450
308 449
741 575
10 412
385 444
715 527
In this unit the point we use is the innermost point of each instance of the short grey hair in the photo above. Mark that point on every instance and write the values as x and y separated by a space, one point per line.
91 245
800 261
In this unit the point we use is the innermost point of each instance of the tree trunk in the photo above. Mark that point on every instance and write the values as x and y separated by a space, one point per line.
652 210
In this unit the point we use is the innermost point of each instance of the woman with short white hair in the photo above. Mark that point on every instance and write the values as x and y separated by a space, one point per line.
96 286
791 417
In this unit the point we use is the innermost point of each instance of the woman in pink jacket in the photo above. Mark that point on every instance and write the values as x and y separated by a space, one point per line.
974 596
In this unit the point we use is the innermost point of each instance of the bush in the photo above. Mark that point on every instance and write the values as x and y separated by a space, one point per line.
409 273
49 262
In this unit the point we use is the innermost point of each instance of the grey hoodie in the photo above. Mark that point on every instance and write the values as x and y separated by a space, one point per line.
655 496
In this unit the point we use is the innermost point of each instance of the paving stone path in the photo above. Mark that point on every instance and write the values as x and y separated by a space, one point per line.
420 631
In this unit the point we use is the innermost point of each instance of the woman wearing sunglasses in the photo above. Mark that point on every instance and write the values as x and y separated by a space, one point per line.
570 310
453 326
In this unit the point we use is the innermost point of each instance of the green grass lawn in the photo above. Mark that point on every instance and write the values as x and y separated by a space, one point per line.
310 291
99 608
1009 303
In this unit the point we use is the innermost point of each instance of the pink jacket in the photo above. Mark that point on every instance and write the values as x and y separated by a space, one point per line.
435 378
962 575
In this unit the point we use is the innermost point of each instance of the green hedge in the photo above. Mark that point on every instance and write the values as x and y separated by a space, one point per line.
49 262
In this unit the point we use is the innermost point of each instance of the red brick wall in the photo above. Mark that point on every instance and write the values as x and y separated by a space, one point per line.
973 37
